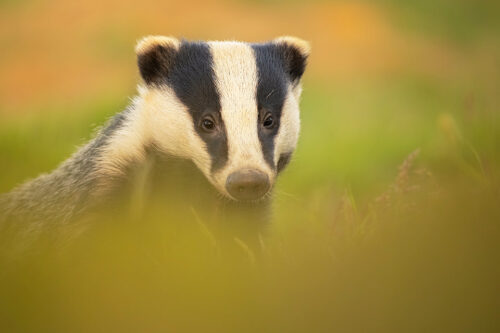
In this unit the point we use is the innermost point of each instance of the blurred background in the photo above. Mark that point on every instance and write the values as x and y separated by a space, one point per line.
387 218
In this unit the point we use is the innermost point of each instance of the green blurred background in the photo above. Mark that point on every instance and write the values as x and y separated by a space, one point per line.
385 78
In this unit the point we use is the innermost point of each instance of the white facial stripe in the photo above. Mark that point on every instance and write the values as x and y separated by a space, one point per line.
173 127
236 78
288 134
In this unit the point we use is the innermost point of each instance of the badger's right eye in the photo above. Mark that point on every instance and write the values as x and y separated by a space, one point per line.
208 125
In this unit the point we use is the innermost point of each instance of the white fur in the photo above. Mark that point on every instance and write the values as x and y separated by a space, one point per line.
236 79
288 133
303 46
127 143
158 118
172 127
148 42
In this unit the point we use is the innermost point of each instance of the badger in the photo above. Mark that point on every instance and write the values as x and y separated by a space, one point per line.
230 109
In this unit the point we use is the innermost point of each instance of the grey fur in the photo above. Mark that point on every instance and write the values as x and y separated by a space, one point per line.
65 193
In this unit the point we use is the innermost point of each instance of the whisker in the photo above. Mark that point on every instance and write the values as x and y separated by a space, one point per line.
272 92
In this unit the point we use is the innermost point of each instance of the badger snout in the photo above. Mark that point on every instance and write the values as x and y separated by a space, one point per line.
247 184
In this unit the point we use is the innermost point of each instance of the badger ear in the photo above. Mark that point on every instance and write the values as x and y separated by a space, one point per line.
295 52
155 56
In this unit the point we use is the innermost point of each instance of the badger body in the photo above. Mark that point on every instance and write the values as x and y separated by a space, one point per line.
227 109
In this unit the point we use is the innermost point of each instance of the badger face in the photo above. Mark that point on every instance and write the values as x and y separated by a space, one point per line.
230 107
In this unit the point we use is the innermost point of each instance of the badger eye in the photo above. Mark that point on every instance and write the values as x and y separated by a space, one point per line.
268 122
208 125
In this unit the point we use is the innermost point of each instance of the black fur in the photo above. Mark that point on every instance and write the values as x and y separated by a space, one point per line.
191 76
294 60
278 65
271 94
154 65
283 161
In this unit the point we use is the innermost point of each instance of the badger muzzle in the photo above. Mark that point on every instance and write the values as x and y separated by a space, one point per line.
247 184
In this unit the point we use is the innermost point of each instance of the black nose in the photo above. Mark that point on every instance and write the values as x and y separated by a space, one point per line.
247 184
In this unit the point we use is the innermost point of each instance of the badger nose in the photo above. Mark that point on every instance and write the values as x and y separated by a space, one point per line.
247 184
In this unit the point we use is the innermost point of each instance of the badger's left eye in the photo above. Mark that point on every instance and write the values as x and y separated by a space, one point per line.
268 122
208 125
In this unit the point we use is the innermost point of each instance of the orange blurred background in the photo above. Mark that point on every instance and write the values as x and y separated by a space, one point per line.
72 50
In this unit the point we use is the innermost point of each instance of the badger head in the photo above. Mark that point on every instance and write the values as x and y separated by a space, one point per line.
230 107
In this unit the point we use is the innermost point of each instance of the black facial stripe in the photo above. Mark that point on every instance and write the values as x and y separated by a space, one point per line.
271 93
283 161
193 80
